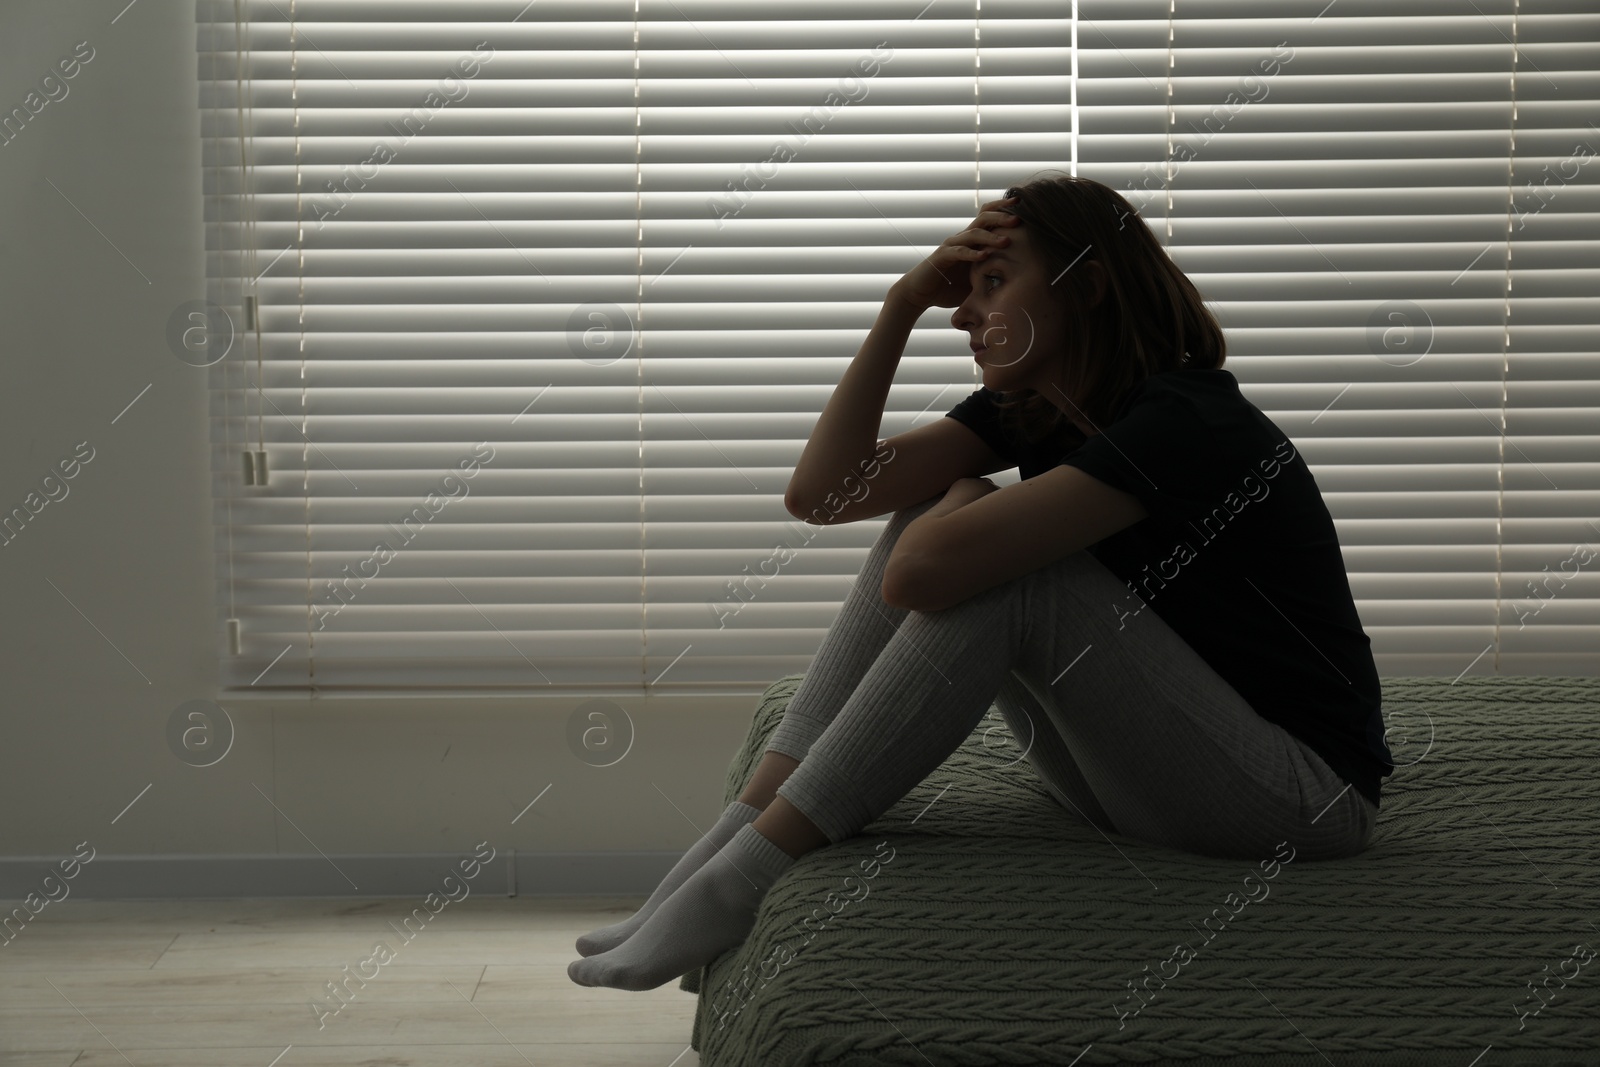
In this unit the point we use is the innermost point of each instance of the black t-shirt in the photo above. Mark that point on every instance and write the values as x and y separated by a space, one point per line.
1238 554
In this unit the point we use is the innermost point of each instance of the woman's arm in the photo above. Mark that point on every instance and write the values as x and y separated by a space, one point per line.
962 492
846 434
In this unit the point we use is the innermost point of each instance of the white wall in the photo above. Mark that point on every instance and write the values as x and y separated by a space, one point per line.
106 594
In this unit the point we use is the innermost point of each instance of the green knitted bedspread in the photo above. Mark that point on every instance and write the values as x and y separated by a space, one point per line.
993 927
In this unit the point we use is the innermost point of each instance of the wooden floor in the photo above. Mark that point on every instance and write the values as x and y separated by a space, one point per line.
483 983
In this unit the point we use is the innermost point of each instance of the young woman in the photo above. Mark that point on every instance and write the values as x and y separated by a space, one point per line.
1159 607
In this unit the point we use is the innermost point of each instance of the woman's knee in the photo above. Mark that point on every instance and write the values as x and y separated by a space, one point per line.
905 515
878 558
901 519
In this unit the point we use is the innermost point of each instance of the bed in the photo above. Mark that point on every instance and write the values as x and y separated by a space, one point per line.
978 922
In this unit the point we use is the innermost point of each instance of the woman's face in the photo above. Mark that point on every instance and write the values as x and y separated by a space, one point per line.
1017 318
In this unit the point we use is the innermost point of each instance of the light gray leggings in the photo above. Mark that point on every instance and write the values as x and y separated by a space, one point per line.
1129 728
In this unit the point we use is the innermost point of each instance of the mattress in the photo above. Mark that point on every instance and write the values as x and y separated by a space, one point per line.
994 927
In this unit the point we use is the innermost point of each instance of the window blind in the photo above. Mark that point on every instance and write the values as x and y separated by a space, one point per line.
1393 210
520 315
630 253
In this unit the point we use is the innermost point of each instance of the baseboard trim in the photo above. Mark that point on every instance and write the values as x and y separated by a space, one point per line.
416 874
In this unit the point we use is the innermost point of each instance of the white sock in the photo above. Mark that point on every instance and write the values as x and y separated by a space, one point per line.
607 938
712 912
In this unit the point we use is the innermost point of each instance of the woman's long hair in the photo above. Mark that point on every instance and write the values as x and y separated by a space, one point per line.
1150 319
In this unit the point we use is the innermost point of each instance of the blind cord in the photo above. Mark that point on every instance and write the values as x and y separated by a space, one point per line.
305 438
637 329
977 141
1505 346
1166 180
240 48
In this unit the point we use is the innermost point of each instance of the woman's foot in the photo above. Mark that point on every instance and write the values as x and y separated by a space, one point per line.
712 912
607 938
